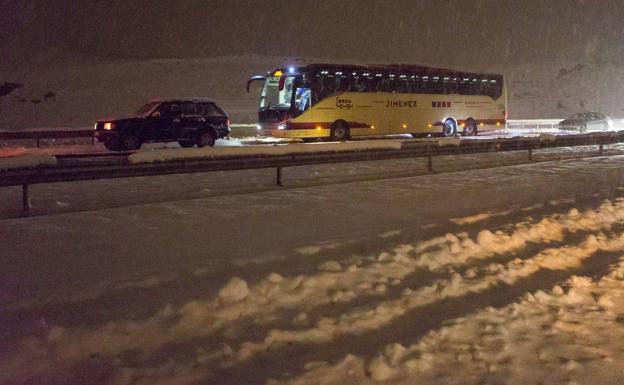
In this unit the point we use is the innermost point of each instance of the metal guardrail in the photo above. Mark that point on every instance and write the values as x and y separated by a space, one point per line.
47 134
533 124
410 149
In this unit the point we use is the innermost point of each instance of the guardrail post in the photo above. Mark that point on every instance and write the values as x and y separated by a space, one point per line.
25 198
429 159
279 176
530 153
600 149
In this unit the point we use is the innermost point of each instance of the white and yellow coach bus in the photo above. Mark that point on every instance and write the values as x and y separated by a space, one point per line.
338 102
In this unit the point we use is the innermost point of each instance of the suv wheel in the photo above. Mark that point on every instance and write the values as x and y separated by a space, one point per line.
206 138
186 143
130 142
112 146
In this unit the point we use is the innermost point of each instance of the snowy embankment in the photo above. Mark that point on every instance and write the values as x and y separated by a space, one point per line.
219 152
546 328
362 283
74 91
26 161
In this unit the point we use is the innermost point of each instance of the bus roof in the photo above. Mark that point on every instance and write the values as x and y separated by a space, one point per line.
391 68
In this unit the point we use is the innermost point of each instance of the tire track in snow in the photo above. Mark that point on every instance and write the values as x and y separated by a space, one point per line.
335 283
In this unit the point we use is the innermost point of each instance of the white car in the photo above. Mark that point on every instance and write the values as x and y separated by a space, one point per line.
587 121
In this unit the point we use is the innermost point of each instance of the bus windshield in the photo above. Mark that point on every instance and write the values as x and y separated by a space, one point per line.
274 97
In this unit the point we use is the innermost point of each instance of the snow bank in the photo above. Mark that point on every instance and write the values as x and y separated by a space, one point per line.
451 141
572 331
219 152
27 161
471 219
547 137
55 348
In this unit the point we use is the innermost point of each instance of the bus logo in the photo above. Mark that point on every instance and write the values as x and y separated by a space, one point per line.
343 103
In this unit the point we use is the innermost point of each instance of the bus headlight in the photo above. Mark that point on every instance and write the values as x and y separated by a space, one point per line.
281 126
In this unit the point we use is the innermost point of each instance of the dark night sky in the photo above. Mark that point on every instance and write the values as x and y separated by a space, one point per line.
452 31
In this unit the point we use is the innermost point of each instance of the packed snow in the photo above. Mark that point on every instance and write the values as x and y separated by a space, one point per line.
299 148
369 281
26 161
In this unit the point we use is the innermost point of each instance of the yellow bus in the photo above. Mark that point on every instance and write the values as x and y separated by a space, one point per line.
338 102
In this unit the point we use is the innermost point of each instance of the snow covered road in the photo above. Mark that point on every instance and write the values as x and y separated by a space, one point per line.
494 275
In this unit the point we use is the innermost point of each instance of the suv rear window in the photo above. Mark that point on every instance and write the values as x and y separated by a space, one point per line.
211 109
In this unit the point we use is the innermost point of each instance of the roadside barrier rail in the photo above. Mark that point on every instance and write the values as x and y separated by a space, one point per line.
47 134
409 149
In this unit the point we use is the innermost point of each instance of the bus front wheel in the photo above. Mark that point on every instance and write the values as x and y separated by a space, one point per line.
470 128
449 128
339 131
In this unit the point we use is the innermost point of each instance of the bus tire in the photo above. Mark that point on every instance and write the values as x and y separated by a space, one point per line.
339 131
470 128
449 128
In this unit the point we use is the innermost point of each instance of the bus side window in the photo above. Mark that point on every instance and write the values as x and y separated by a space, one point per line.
377 84
415 84
368 84
345 84
329 86
403 86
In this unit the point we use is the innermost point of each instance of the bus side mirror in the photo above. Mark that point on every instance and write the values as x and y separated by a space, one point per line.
254 79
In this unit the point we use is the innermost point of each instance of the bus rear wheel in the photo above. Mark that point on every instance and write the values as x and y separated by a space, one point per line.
449 128
470 128
339 131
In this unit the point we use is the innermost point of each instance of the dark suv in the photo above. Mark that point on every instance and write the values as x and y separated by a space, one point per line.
188 121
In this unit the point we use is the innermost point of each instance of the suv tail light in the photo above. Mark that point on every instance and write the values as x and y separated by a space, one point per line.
227 122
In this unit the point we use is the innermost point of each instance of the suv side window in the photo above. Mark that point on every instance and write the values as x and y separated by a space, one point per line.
211 110
189 108
170 110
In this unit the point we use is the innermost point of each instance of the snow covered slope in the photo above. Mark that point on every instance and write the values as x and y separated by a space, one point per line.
77 90
509 274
